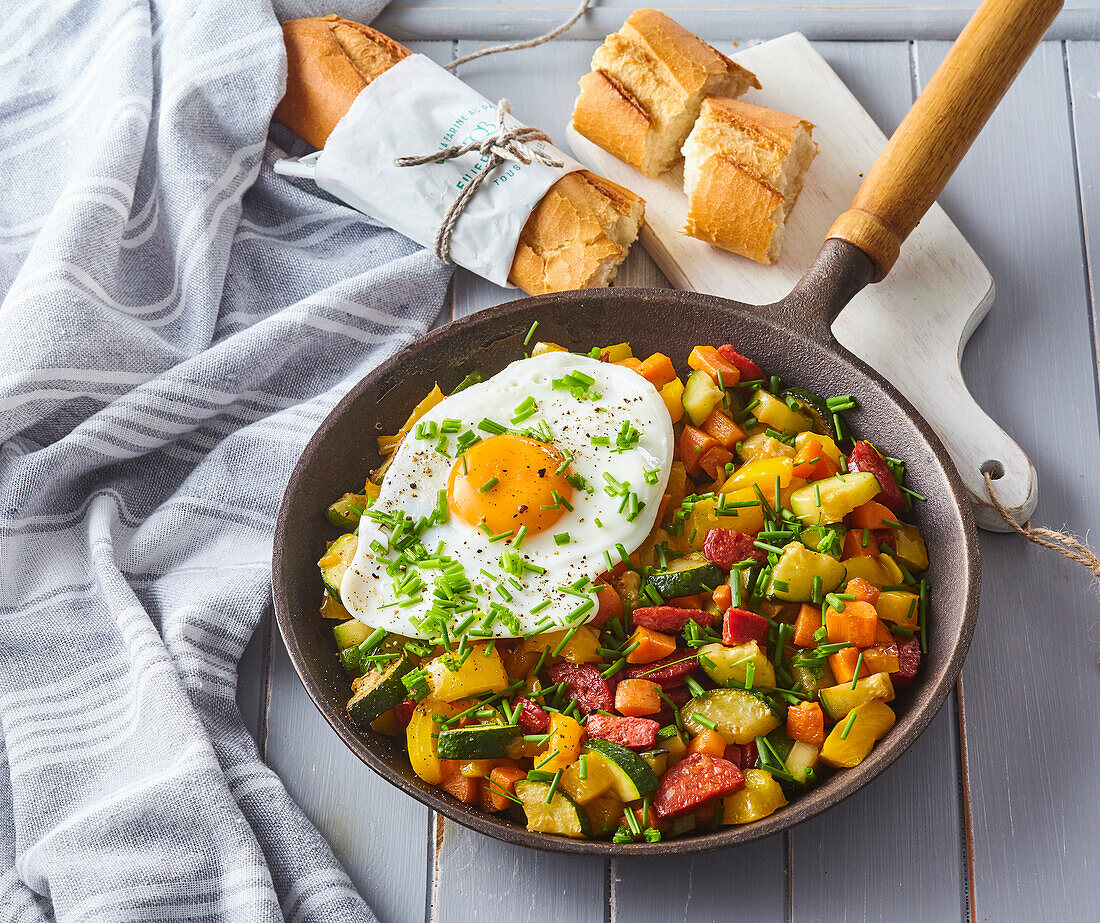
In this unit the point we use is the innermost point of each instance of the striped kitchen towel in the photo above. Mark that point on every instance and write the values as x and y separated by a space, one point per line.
175 322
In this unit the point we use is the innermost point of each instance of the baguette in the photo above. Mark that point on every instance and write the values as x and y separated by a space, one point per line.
576 237
743 171
645 88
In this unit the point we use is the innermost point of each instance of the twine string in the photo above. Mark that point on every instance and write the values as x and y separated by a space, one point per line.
529 43
1065 544
503 144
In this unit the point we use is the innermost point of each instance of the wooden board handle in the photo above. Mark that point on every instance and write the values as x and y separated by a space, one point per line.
937 132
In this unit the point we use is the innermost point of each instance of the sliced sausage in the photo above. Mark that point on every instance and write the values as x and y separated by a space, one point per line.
726 547
636 733
865 457
668 671
908 662
585 686
693 781
530 716
668 618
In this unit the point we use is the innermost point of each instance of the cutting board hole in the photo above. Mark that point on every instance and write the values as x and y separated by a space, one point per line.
993 468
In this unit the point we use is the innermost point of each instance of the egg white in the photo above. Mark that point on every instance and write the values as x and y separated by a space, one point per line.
418 472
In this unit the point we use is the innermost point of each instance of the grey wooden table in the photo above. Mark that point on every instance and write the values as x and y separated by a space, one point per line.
994 814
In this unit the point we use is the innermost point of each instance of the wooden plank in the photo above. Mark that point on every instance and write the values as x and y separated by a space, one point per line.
1083 65
379 834
1031 687
916 872
467 866
721 20
252 679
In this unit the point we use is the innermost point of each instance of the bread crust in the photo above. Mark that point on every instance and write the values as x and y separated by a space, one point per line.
576 236
655 74
735 208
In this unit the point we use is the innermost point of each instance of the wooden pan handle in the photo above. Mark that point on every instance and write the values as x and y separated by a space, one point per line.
937 132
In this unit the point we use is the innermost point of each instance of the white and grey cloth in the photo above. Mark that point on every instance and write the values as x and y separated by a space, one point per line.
175 322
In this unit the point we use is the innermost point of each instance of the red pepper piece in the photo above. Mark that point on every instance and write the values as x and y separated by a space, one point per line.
694 781
740 625
749 370
743 756
865 457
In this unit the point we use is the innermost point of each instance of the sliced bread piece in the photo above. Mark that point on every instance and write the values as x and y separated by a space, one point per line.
743 171
645 88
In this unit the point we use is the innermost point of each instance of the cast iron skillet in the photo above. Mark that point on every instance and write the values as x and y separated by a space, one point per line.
790 338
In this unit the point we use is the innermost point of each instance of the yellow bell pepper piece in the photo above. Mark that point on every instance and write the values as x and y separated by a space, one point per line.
760 797
851 740
387 444
762 473
773 411
541 348
606 812
828 445
598 779
565 738
673 396
878 571
420 739
480 671
618 352
911 549
385 723
900 607
759 446
581 648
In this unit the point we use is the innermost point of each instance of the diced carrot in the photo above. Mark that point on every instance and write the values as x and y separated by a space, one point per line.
722 596
695 601
862 590
693 443
872 515
882 658
637 697
854 547
709 360
808 621
811 462
466 789
658 370
806 722
882 634
856 624
635 365
652 645
708 742
714 460
843 664
722 428
610 605
502 779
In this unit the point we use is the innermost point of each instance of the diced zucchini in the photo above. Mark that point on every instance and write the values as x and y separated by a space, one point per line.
378 690
597 780
900 607
848 744
678 826
657 759
737 715
672 740
824 539
686 576
633 777
831 499
336 561
773 411
780 742
801 761
486 742
341 514
810 679
911 549
812 405
793 575
761 796
562 815
701 396
839 700
481 671
350 633
727 665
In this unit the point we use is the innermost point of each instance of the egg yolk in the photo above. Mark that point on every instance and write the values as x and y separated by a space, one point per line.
509 481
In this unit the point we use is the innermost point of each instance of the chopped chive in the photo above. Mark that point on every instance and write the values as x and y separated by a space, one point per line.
553 787
704 720
859 666
561 538
489 484
530 333
584 766
848 726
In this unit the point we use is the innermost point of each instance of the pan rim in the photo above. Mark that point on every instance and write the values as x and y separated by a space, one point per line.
836 789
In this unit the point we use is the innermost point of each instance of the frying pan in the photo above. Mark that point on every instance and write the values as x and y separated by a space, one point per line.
790 338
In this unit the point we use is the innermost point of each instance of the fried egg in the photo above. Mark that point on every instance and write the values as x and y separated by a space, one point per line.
507 499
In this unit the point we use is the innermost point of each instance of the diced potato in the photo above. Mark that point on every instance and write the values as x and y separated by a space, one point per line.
900 607
738 716
723 664
911 549
760 797
598 780
793 575
762 473
760 446
838 496
481 671
839 700
803 757
676 747
879 571
872 721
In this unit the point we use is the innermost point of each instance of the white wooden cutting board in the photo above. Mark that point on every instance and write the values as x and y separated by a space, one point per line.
911 327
